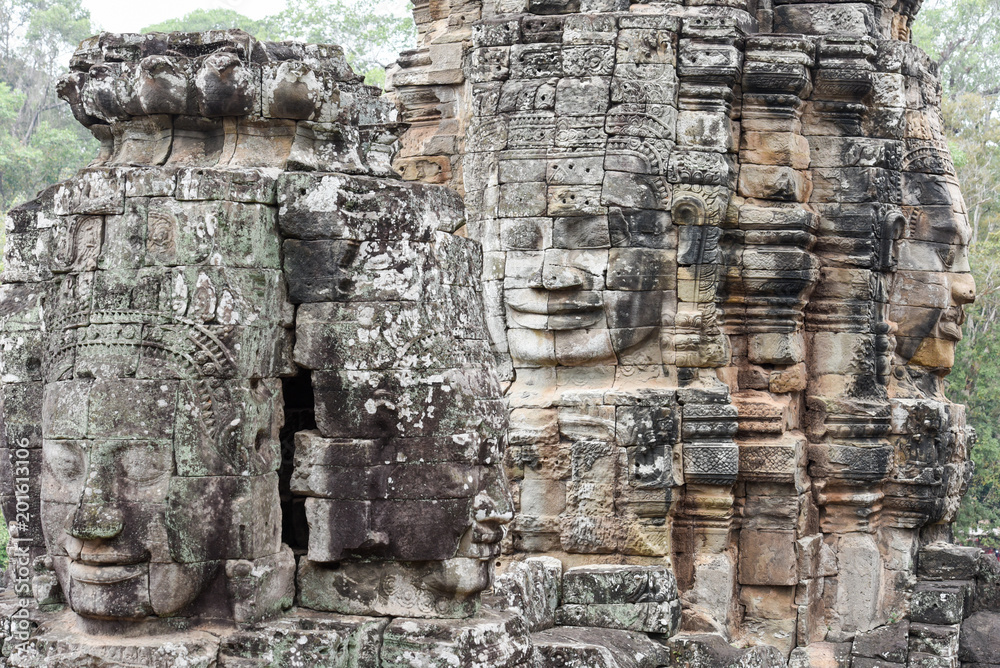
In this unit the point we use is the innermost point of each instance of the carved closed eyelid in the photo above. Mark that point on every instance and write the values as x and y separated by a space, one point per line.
66 461
143 464
947 255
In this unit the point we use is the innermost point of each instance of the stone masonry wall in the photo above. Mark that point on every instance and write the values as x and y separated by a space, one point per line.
613 337
725 259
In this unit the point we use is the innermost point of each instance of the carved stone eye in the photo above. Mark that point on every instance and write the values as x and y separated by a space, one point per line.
66 461
947 255
143 464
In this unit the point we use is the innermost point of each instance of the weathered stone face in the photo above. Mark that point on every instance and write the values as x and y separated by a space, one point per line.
686 335
150 309
161 406
932 281
406 498
569 162
560 302
726 260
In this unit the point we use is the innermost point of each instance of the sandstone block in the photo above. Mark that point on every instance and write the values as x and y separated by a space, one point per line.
662 618
706 650
978 642
489 640
887 643
987 594
938 602
936 640
261 588
573 647
768 558
864 662
327 641
588 585
946 561
59 646
353 587
822 655
531 588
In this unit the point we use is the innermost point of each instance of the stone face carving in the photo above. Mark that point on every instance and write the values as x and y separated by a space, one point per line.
725 262
238 354
406 496
161 404
668 351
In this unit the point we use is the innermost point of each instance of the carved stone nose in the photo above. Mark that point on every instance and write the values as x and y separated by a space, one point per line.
488 512
537 280
963 288
561 278
96 521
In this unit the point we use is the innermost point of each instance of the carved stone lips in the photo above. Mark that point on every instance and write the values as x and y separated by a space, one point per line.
950 323
487 534
105 574
543 302
552 309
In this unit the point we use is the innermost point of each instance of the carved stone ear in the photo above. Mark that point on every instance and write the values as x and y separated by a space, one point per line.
894 228
688 210
895 224
261 588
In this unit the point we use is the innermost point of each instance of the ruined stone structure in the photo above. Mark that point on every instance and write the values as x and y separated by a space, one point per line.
613 337
240 354
724 265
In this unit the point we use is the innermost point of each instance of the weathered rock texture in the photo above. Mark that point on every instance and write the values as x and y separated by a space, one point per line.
240 353
724 270
674 364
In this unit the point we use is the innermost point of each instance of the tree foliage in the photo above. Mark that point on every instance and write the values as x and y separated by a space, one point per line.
40 142
961 36
207 19
372 32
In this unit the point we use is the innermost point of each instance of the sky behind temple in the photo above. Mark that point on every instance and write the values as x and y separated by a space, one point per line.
132 16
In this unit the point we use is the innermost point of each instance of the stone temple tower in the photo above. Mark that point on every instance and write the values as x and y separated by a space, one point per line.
612 336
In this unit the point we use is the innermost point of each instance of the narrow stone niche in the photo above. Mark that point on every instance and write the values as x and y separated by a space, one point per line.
299 416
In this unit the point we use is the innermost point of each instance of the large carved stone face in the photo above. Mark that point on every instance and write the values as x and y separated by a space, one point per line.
132 533
933 282
161 408
105 509
592 298
933 285
572 143
405 495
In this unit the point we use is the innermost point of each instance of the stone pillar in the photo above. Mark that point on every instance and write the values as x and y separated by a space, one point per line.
430 87
764 312
703 170
848 408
